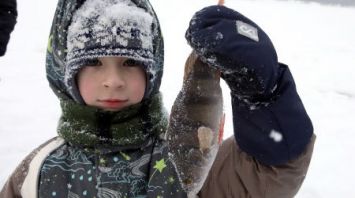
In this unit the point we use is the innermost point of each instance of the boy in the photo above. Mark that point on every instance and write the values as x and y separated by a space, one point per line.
105 61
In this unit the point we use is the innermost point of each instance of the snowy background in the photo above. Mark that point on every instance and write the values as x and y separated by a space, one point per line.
332 2
316 41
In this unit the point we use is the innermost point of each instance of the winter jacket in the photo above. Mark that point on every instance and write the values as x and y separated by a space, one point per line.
8 15
233 174
237 174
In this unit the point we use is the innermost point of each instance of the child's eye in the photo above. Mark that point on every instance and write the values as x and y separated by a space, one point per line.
93 62
132 63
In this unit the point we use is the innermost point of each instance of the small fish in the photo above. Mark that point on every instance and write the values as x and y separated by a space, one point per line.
196 124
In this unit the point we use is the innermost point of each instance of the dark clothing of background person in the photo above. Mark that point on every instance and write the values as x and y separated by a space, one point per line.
8 15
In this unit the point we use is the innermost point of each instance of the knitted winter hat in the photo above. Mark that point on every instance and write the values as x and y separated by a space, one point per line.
97 28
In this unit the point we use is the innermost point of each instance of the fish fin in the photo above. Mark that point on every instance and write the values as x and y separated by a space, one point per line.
205 137
221 128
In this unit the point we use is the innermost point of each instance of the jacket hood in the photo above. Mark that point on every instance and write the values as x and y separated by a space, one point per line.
87 29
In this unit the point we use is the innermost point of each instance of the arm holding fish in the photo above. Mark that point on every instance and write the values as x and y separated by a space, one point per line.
270 121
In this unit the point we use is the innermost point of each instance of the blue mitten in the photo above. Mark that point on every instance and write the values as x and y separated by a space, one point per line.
270 121
239 48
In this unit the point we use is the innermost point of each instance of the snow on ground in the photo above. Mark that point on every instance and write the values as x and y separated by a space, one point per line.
316 41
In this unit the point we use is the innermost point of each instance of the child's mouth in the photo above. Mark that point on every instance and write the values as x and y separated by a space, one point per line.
112 103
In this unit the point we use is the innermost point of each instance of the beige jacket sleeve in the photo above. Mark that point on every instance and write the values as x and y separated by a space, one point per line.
235 174
13 186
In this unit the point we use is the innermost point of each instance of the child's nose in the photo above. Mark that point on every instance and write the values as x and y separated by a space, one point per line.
113 79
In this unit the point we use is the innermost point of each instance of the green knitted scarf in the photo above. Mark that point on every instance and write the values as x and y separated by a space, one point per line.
131 127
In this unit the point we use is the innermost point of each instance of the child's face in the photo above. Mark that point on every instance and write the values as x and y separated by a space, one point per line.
112 83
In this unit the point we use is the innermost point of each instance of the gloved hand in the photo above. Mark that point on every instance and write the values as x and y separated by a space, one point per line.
241 50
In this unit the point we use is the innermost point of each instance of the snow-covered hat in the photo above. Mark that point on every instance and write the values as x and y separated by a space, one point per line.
110 27
126 28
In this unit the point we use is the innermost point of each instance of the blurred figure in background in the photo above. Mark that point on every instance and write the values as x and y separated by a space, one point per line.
8 15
